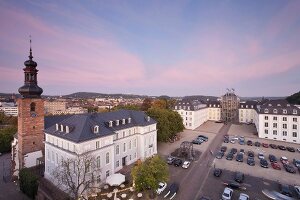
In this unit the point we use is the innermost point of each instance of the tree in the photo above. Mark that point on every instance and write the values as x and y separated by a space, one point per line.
294 99
169 123
149 173
127 107
147 103
28 182
159 103
6 137
78 176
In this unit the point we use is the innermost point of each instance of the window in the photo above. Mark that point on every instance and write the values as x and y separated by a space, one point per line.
129 132
117 122
117 149
284 111
129 120
294 119
294 126
123 121
107 173
284 119
294 134
275 110
107 158
32 107
135 155
134 143
56 158
266 117
52 156
97 145
117 163
176 107
130 157
266 110
110 123
294 111
266 124
275 118
129 145
284 126
96 129
274 132
274 125
284 133
124 147
98 179
48 155
98 162
266 131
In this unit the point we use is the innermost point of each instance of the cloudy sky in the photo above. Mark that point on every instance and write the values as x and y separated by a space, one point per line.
171 47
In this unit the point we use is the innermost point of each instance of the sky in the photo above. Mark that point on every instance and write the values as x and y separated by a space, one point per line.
174 48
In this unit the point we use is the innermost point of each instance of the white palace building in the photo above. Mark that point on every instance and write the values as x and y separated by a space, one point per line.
273 119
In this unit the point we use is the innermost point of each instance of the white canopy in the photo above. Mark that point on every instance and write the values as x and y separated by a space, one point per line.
115 179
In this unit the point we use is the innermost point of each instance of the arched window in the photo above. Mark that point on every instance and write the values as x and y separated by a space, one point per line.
98 162
107 157
32 107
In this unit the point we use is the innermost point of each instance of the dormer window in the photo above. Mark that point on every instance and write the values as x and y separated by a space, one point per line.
284 111
148 119
294 111
123 121
129 120
117 122
278 105
96 129
270 104
266 110
275 110
242 106
246 106
110 123
252 106
209 105
288 105
218 106
57 126
61 128
67 129
175 107
184 107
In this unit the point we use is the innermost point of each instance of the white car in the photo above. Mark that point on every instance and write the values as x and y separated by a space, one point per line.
227 194
298 149
232 141
186 164
297 189
243 197
161 187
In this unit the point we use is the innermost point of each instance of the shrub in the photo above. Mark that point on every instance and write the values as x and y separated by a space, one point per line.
28 182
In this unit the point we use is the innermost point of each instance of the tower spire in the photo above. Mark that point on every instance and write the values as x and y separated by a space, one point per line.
30 52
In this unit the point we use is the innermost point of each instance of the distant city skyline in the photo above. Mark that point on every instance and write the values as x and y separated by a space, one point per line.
175 48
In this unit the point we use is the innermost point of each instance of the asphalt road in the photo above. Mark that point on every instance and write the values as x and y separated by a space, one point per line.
191 180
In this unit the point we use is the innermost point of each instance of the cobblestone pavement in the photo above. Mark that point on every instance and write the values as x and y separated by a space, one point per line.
8 190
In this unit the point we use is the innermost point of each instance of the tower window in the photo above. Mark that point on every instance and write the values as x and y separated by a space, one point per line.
32 107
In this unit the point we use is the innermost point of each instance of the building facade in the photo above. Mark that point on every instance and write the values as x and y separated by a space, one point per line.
9 109
115 139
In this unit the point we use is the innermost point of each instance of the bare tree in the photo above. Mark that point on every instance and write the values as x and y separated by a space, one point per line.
78 176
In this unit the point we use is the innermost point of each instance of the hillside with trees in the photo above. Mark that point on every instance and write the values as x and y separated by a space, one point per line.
294 99
8 127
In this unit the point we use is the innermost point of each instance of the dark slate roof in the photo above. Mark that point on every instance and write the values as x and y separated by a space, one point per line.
249 103
213 103
192 104
280 106
81 125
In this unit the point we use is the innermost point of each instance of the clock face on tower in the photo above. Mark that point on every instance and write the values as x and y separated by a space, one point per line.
33 114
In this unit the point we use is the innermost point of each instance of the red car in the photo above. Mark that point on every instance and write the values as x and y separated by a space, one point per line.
265 145
284 160
276 166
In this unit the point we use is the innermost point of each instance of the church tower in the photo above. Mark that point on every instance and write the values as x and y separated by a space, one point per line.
30 140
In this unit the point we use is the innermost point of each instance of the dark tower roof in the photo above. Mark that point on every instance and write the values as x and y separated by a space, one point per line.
30 89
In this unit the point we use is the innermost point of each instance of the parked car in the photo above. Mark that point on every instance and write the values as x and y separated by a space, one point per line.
297 190
223 148
233 150
275 165
265 145
161 187
249 143
186 164
242 141
239 157
226 140
290 149
227 194
272 158
285 189
203 137
243 197
273 146
177 162
232 141
220 155
217 172
197 141
250 153
261 156
234 185
257 144
242 151
281 147
289 168
170 160
239 177
229 156
284 160
264 163
296 162
251 161
298 149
